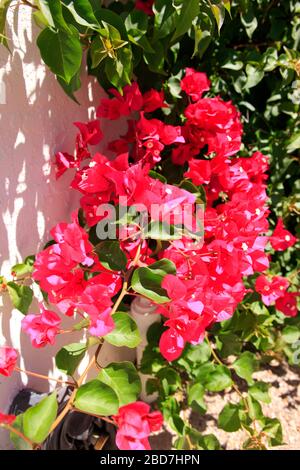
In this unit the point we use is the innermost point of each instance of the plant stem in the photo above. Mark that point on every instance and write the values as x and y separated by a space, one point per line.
45 377
20 434
26 2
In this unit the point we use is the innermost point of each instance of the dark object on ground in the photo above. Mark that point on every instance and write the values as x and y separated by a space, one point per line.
77 431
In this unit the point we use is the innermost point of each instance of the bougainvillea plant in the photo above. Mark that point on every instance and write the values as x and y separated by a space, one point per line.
175 211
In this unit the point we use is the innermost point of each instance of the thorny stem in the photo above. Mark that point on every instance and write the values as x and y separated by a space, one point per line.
45 377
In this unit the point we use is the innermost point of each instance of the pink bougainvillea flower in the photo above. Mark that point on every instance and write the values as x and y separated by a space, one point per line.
8 360
282 238
195 83
42 328
171 344
153 100
101 323
73 242
271 289
6 419
64 161
199 171
287 304
90 132
145 6
135 423
118 106
215 123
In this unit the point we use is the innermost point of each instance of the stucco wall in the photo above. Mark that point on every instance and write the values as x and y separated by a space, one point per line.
35 120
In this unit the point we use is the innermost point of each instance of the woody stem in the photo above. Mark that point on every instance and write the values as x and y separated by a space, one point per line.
44 377
19 434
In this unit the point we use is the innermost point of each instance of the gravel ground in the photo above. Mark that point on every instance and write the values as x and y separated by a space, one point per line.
285 405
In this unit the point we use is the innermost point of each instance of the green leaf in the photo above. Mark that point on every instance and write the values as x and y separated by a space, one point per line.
110 17
228 344
19 443
293 143
218 379
219 14
254 75
119 70
111 256
158 230
61 51
97 398
21 296
125 333
124 379
189 10
97 52
38 419
69 357
249 21
227 5
196 397
198 354
165 19
4 4
169 380
260 391
255 410
136 23
147 281
22 269
290 334
272 428
203 441
82 12
229 419
52 11
245 365
72 86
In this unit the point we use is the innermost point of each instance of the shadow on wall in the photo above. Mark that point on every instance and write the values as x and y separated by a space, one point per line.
35 121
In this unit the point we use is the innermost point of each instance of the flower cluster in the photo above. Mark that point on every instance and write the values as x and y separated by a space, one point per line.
209 268
61 272
210 275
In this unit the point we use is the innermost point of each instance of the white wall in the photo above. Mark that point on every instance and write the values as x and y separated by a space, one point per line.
35 121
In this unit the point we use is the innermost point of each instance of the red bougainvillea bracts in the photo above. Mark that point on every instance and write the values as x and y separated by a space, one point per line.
209 283
6 419
135 424
8 360
41 328
175 211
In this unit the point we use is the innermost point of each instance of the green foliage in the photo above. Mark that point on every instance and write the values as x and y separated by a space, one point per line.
147 281
69 357
38 419
97 398
125 333
111 256
250 51
123 378
20 295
